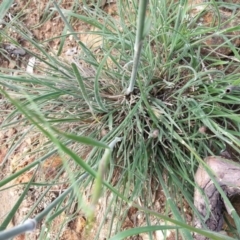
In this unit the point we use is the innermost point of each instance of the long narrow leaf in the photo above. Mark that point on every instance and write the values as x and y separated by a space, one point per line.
4 7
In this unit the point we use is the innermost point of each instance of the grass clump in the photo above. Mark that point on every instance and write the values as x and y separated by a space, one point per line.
177 112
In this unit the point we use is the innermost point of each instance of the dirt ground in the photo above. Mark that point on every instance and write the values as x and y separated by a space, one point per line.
42 30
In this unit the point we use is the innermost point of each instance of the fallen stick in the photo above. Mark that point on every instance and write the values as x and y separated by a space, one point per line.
207 198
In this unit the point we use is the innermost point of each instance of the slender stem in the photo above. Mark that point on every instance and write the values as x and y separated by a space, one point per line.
30 224
138 43
136 60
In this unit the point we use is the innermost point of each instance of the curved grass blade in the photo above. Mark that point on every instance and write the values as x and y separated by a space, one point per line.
4 7
84 140
11 214
136 231
82 87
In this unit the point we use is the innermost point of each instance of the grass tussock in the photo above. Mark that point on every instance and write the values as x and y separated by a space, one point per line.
182 107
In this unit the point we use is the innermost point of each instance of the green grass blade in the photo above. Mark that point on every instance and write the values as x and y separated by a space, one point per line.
4 7
136 231
81 85
13 211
